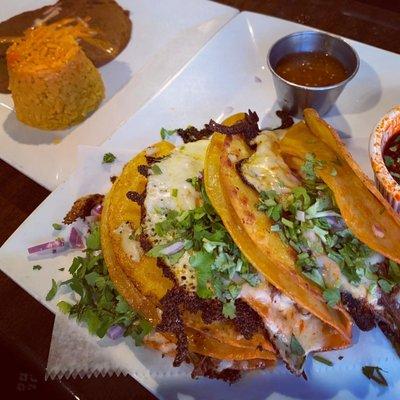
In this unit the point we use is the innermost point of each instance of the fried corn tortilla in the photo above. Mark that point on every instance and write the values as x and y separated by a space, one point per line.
142 282
336 333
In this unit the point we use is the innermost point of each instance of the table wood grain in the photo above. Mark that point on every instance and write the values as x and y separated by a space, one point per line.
26 326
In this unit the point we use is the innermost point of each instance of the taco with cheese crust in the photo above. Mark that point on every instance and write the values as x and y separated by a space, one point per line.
177 252
312 215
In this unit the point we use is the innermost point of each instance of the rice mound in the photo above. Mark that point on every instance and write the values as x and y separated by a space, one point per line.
53 83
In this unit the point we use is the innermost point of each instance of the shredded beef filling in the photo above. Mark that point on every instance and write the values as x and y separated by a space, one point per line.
82 207
247 321
177 300
361 312
152 160
143 170
248 127
192 134
207 366
171 321
286 119
136 197
166 270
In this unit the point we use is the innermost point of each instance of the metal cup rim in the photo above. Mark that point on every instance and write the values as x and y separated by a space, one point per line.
314 88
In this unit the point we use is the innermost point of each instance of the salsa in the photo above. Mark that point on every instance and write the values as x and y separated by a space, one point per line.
391 156
311 69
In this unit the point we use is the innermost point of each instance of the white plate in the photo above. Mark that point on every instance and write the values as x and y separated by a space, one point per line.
165 36
218 81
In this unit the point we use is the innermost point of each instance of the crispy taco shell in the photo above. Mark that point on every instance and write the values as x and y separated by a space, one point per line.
236 203
365 211
143 284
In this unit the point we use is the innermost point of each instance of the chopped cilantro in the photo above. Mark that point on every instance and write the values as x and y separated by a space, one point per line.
334 172
322 360
165 133
174 193
309 220
229 309
332 296
93 239
295 347
64 307
108 158
100 306
388 161
386 285
156 169
310 165
374 373
214 256
52 292
394 271
201 262
37 267
57 226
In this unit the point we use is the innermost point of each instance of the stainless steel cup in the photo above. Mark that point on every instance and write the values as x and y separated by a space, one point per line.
295 98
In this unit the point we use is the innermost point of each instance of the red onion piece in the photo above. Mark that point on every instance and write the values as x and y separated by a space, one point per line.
96 210
173 248
378 232
115 332
53 245
75 239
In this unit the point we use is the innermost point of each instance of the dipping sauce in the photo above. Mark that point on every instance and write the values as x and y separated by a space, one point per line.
311 69
391 156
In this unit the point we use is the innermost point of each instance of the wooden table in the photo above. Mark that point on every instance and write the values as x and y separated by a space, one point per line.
26 326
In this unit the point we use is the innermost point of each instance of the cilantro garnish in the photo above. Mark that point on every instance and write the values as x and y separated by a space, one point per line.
388 161
156 169
374 373
322 360
332 296
165 133
310 165
108 158
99 304
309 220
52 292
214 256
229 309
386 285
37 267
174 193
93 239
57 226
295 347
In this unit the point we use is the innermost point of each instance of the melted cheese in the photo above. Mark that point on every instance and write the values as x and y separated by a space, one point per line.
170 190
265 169
283 318
130 246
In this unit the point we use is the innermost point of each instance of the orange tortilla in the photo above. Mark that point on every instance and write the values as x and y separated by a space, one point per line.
222 193
142 283
365 211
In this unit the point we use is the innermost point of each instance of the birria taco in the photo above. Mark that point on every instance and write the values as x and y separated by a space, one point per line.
181 256
322 232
